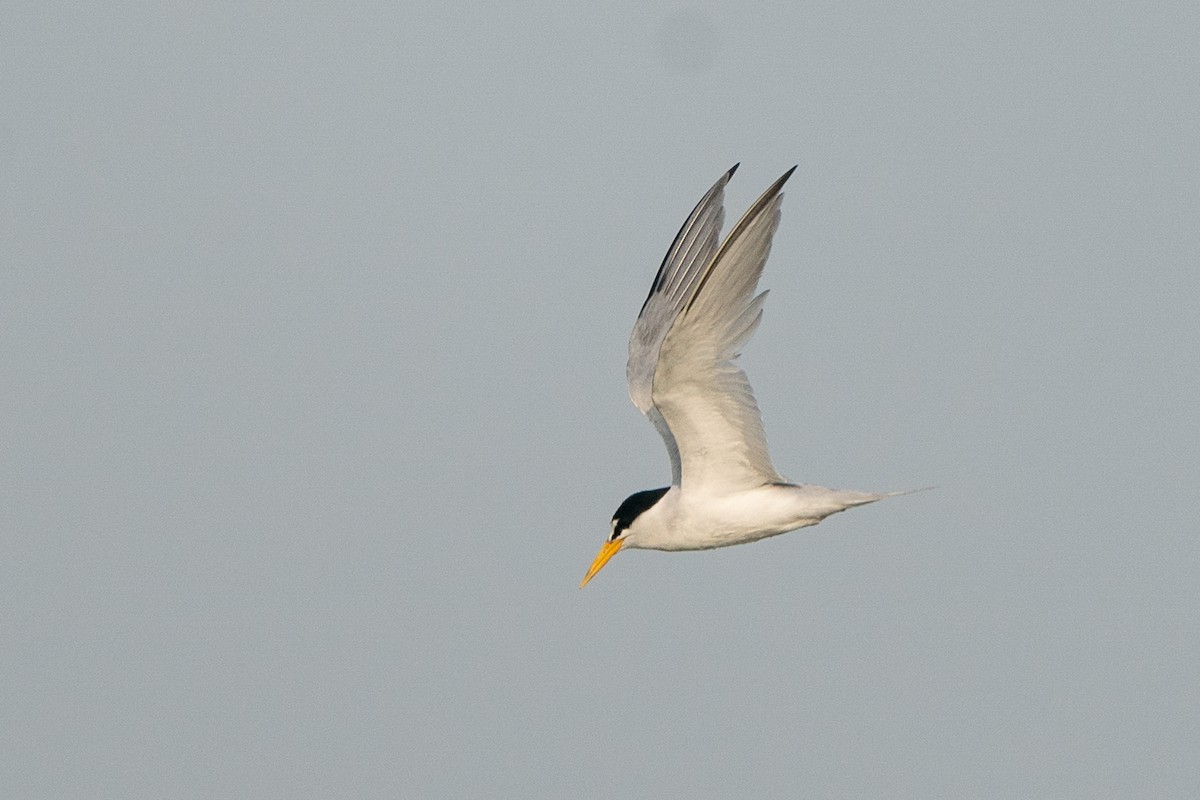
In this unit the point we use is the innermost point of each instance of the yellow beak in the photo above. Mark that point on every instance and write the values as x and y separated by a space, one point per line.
606 552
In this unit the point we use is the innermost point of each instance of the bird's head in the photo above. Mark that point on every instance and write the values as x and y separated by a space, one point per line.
624 527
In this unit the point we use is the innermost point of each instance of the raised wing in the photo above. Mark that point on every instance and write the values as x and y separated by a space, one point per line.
692 251
700 310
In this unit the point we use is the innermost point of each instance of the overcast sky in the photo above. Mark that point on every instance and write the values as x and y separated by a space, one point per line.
313 328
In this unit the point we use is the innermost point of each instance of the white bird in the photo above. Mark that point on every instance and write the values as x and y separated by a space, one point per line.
701 309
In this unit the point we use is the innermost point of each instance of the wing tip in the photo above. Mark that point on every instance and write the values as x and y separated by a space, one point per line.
782 180
772 197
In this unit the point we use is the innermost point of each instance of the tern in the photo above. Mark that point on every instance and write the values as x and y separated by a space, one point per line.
701 309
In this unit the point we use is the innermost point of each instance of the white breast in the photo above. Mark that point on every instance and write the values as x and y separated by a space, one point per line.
685 520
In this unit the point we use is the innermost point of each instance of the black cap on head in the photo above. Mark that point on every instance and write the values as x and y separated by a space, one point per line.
633 507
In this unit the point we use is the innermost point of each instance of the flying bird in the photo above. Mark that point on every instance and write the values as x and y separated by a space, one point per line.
701 309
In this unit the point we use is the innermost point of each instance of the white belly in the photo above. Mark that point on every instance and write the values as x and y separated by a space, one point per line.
700 521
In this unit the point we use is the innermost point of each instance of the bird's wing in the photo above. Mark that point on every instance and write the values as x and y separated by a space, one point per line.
700 310
689 254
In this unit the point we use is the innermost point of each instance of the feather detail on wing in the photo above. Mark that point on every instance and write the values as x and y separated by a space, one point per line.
699 313
690 253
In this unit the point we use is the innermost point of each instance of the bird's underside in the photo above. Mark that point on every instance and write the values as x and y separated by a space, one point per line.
684 521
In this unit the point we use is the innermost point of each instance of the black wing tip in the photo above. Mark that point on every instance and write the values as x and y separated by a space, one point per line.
775 187
782 179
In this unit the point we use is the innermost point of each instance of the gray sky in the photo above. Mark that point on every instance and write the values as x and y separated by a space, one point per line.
313 330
